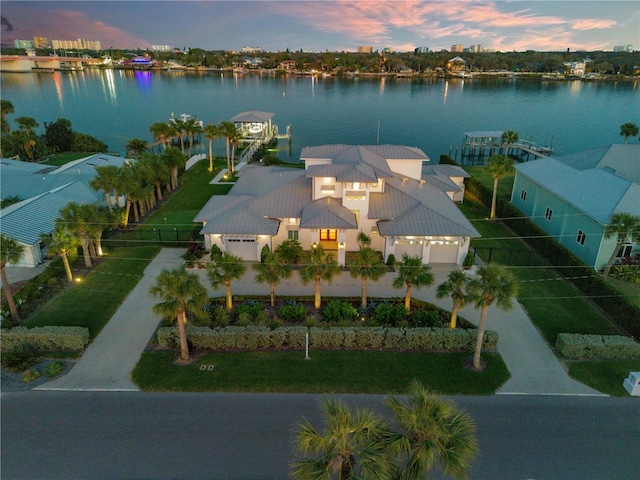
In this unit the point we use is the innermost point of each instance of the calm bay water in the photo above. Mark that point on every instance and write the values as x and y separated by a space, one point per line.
432 114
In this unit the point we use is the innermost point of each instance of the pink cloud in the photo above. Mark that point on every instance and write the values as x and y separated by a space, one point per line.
591 24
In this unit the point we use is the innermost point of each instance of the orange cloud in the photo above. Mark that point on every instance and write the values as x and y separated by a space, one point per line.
591 24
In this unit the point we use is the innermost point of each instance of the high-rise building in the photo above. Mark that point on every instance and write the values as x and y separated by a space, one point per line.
365 49
41 42
387 50
623 48
23 44
251 49
79 44
457 47
421 50
161 48
476 48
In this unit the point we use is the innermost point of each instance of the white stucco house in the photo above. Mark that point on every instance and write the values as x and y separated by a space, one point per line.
43 190
389 192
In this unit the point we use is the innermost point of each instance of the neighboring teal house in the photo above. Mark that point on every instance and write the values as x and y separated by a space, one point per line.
573 196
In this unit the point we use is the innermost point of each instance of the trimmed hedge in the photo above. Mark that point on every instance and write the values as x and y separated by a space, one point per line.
622 312
338 338
46 338
597 347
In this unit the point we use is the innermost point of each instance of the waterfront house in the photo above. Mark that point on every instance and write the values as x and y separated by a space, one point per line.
456 65
43 190
380 190
573 196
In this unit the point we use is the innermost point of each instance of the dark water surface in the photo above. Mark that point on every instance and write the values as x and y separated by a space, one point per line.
432 114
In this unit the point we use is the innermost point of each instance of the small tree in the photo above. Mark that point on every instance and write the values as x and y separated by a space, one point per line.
366 264
290 251
271 270
317 266
182 294
412 273
63 242
623 228
498 166
222 270
10 253
628 130
136 147
453 287
492 283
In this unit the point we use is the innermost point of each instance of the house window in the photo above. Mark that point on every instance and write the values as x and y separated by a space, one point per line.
328 189
328 234
523 195
292 234
548 214
581 237
625 251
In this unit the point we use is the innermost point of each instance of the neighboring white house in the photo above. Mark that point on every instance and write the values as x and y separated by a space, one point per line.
43 190
379 190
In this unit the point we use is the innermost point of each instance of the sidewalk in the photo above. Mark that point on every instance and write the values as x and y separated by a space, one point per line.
107 362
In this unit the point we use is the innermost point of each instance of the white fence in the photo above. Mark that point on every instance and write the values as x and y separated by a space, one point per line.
195 159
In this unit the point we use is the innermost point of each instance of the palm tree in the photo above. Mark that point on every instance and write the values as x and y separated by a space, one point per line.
411 273
10 252
6 107
136 147
624 228
272 270
179 129
211 132
162 132
366 264
27 124
222 270
76 218
234 140
159 171
192 127
453 287
499 166
63 242
182 294
317 266
509 137
492 283
433 433
290 251
628 130
106 179
351 445
99 219
229 131
174 160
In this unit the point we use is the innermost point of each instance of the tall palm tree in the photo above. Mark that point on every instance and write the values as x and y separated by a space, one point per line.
272 270
136 147
175 160
350 446
179 128
63 242
317 265
10 252
77 218
366 264
491 284
229 131
411 273
182 294
498 166
234 140
211 132
222 270
6 107
99 219
509 137
433 433
453 287
159 171
624 228
162 132
628 130
192 127
106 178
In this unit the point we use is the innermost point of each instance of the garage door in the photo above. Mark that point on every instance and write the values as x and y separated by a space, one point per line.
444 252
411 249
243 247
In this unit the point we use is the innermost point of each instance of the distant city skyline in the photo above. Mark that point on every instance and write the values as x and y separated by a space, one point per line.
336 25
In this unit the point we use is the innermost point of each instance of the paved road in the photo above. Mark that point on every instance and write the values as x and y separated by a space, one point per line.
135 435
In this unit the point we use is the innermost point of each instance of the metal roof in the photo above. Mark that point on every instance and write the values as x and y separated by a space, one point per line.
242 222
327 212
252 116
424 221
445 169
623 159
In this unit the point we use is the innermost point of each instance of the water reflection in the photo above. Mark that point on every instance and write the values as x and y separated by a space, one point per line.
143 80
109 85
446 91
57 81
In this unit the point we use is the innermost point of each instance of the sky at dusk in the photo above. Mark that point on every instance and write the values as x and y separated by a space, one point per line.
334 25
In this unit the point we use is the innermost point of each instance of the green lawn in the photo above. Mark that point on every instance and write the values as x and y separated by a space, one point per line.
64 158
505 185
326 372
92 302
605 375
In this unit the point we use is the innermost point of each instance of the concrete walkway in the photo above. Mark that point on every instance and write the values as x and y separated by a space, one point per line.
111 357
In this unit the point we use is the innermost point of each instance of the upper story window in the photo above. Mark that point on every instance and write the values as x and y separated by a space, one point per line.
548 214
581 237
356 195
328 189
523 195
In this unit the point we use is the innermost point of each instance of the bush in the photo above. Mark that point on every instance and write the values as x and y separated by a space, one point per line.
425 318
293 312
30 375
21 357
53 369
46 338
391 260
251 308
337 311
597 347
389 314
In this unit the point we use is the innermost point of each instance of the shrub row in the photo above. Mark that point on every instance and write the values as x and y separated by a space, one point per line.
624 313
596 347
349 338
46 338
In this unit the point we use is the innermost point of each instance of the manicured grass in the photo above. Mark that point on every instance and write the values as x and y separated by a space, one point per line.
326 372
93 301
628 289
553 305
605 376
505 185
64 158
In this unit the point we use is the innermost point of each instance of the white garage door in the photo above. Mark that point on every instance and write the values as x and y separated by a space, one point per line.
411 249
243 247
444 253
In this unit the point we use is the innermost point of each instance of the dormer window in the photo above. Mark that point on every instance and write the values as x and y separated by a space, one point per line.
328 189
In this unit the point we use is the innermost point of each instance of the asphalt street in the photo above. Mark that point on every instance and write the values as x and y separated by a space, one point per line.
134 435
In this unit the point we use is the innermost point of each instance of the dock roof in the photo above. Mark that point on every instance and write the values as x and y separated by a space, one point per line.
253 116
